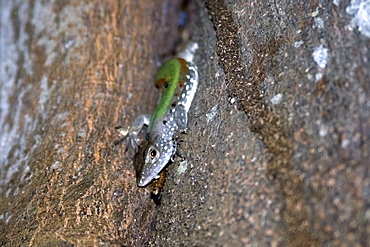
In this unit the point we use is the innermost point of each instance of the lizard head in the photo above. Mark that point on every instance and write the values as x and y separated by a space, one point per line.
151 158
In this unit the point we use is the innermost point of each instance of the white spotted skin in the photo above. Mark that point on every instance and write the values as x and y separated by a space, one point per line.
190 87
161 139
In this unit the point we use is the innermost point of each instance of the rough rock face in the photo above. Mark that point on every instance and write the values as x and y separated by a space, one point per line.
277 150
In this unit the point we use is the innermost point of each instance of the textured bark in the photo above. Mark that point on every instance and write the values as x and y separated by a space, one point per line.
277 152
71 72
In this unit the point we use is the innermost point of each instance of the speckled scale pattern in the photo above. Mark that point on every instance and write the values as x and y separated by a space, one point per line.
170 122
190 87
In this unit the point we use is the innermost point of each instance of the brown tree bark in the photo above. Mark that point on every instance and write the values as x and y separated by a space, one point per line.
71 72
277 150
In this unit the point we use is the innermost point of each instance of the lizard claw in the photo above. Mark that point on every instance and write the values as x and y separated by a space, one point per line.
129 137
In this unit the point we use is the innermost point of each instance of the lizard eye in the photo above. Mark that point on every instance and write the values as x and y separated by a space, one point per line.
152 153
